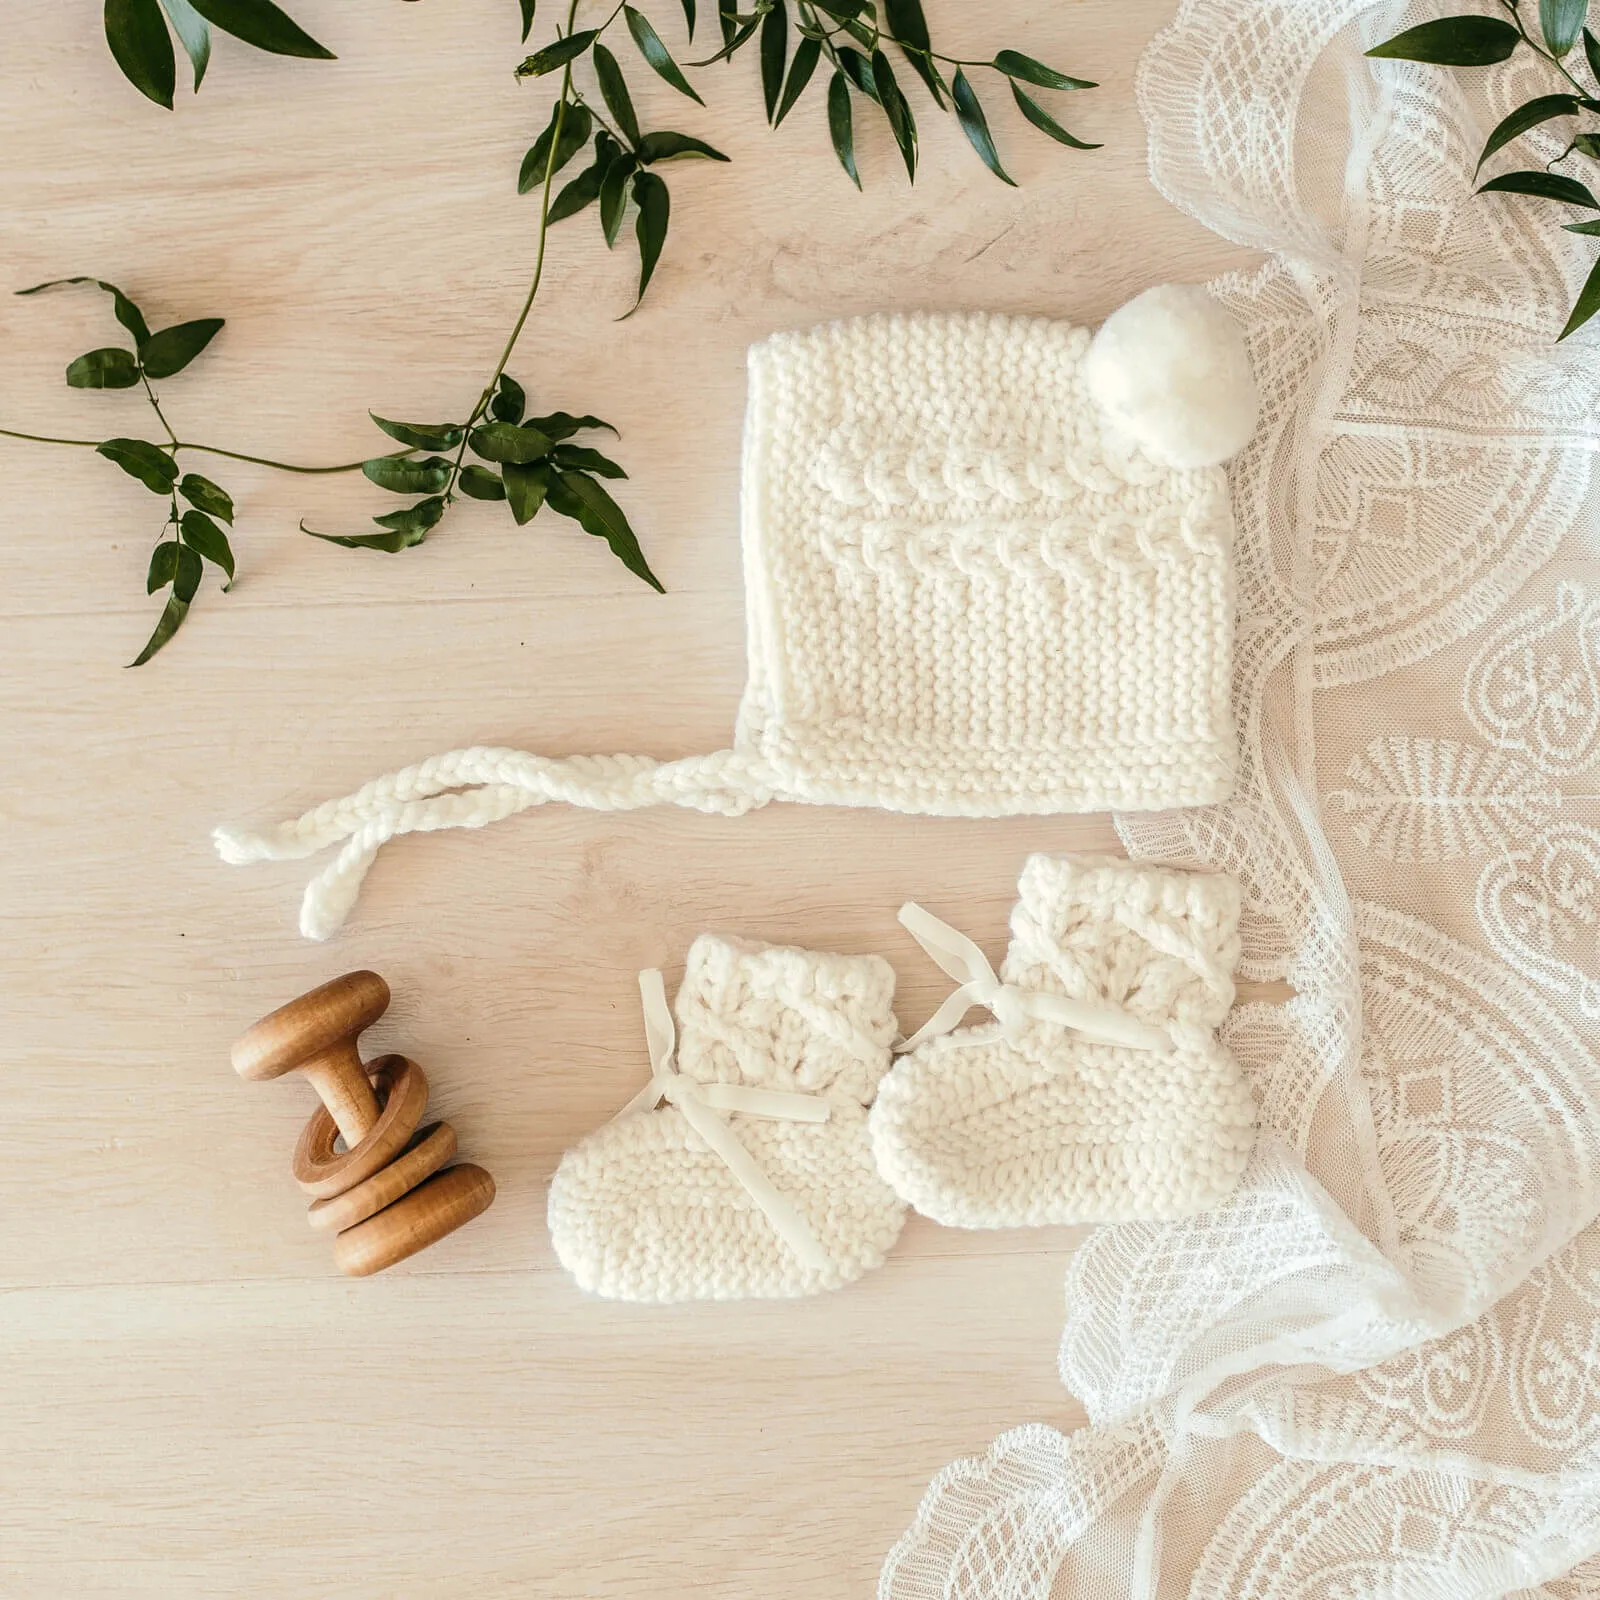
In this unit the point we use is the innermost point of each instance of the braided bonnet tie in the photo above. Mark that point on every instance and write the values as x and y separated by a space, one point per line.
470 789
702 1106
1012 1007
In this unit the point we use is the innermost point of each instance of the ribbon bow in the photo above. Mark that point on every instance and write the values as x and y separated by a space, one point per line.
702 1106
1012 1007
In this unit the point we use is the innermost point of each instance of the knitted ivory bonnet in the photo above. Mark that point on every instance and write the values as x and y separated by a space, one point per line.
987 572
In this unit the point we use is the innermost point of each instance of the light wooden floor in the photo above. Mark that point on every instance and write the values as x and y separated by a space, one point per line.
193 1404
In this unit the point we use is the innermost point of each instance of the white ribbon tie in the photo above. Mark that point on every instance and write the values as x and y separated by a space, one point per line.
1012 1007
703 1105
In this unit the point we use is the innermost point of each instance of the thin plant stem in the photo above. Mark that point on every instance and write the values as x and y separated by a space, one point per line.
161 415
538 263
285 466
45 438
204 449
580 99
1539 50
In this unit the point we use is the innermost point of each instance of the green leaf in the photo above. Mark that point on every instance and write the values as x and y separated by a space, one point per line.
1587 144
1452 42
688 15
127 313
528 9
736 33
261 23
393 543
562 425
806 56
614 196
510 400
206 539
859 28
1041 119
840 125
421 435
205 496
614 89
415 521
557 54
142 47
859 71
1016 65
774 55
110 368
655 211
976 126
1589 228
431 475
479 483
728 18
584 190
578 458
1591 50
656 53
142 460
908 25
898 111
1588 302
171 620
525 488
163 566
1545 186
166 354
1546 107
505 441
670 146
187 572
194 34
574 495
575 125
1561 21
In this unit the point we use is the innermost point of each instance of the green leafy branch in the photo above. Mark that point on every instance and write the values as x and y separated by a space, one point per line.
537 464
138 35
177 563
530 463
1482 40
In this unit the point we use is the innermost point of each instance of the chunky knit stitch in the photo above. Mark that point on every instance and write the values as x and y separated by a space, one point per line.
644 1209
971 590
1033 1123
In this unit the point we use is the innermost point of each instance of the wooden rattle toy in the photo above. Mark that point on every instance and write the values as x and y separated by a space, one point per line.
384 1195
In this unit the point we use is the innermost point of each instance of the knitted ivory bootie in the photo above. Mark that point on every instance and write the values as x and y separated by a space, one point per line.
755 1179
1100 1092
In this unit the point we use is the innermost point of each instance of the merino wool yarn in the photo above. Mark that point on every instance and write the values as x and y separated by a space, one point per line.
646 1209
1031 1123
975 585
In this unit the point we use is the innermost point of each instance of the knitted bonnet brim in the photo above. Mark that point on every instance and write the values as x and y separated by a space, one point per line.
987 572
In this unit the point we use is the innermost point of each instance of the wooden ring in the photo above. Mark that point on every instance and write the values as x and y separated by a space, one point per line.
403 1093
427 1152
440 1206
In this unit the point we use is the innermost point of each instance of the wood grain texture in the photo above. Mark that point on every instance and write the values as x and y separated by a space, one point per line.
179 1357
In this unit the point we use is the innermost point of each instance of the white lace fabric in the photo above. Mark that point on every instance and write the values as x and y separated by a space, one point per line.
1375 1372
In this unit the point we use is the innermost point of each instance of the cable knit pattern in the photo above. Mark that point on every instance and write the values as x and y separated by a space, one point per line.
644 1210
977 1130
968 592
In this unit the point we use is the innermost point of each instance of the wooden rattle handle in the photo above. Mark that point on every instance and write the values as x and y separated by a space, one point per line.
316 1036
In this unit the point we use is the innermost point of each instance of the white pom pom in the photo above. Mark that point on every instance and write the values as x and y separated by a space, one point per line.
1170 368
